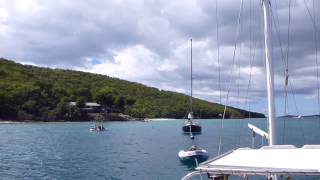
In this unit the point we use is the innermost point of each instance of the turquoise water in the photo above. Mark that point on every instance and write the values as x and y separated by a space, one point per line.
127 150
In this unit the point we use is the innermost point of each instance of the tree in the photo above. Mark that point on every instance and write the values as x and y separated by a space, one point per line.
83 92
105 96
81 102
33 92
61 110
30 106
120 103
130 101
7 108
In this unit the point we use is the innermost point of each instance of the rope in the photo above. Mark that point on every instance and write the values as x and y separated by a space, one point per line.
286 74
238 103
283 58
218 51
233 61
191 135
219 72
294 100
316 46
313 20
238 84
197 164
316 21
278 32
287 60
285 65
251 60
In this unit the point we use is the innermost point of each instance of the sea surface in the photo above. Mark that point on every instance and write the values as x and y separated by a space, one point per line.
128 150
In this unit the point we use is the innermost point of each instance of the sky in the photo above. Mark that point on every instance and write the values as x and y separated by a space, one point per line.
148 41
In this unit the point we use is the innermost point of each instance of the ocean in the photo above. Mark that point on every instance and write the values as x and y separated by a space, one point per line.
128 150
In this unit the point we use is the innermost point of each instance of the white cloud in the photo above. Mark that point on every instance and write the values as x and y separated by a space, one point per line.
29 6
148 42
131 63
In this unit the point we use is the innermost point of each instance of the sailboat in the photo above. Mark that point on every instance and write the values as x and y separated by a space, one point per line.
269 161
190 126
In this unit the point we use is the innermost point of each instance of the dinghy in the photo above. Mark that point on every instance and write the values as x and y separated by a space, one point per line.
98 124
98 128
193 153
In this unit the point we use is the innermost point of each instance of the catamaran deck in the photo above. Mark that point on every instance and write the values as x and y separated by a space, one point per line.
269 160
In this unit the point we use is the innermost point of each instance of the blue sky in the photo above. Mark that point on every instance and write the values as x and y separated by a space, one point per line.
147 41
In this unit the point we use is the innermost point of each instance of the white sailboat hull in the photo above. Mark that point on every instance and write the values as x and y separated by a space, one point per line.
284 160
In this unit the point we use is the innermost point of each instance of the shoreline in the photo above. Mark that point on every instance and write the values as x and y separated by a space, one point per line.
11 122
131 120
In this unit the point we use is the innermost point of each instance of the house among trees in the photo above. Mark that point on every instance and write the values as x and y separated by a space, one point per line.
89 107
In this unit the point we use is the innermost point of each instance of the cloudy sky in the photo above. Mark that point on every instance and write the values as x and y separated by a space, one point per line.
148 41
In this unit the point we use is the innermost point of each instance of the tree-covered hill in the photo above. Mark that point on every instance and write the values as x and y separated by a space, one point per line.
36 93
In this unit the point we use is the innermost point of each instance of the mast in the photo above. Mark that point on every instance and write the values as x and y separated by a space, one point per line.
191 77
269 72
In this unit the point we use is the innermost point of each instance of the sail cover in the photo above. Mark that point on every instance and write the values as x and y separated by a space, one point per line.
268 160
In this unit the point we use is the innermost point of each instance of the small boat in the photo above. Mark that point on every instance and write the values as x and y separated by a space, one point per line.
193 153
98 128
98 125
297 117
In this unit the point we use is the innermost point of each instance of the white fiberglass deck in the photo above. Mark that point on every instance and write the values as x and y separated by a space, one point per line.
275 160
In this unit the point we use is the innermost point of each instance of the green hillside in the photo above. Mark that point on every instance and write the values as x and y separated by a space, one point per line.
29 92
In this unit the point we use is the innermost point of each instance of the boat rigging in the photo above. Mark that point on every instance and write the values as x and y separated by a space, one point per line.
190 125
269 161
